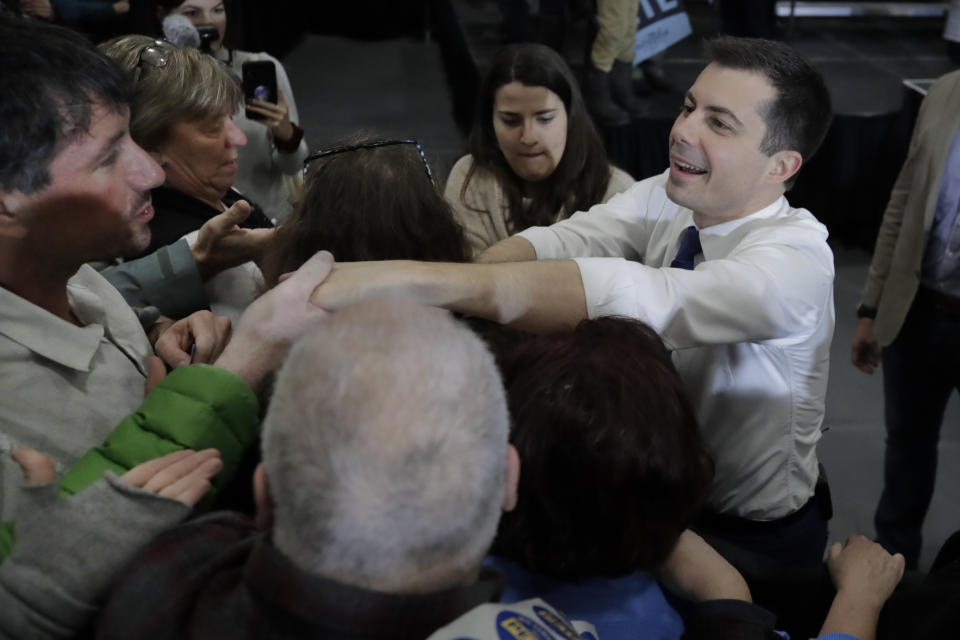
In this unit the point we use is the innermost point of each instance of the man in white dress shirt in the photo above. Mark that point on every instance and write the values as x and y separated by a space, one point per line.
711 255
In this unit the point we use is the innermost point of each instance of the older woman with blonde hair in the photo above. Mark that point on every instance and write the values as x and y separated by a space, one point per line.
182 114
270 163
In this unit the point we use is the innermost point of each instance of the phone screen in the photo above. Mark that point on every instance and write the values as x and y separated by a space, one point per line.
259 82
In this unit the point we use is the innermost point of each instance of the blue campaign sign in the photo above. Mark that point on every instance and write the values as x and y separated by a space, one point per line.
660 23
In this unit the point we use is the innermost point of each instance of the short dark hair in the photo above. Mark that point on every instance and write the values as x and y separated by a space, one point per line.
367 204
50 80
583 173
799 117
613 467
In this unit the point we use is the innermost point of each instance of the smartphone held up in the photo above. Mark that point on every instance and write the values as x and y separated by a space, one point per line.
259 83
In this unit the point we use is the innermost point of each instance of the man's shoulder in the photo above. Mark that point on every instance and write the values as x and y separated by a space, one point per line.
801 220
788 226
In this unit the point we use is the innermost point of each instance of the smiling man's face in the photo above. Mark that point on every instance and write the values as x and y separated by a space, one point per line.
97 203
716 166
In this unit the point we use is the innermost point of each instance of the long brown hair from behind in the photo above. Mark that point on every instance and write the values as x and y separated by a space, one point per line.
367 202
583 173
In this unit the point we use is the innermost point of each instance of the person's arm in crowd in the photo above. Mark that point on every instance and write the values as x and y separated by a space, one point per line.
915 165
697 572
69 551
865 575
864 348
723 606
171 278
786 289
534 296
168 279
197 339
203 406
784 277
274 321
512 249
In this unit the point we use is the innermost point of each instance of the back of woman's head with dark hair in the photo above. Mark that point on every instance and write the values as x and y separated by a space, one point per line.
612 464
581 177
363 200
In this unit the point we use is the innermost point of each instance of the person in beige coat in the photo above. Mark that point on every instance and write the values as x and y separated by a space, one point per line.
534 155
910 315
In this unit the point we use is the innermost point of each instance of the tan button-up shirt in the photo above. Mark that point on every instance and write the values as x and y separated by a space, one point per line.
63 388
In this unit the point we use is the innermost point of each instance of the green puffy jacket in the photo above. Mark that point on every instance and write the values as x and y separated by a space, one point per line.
194 407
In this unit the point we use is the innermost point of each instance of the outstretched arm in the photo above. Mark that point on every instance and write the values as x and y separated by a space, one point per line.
697 572
512 249
535 296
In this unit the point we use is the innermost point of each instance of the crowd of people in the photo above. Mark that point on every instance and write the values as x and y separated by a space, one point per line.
251 391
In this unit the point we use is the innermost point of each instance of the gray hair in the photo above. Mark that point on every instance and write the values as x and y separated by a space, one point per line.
191 86
385 446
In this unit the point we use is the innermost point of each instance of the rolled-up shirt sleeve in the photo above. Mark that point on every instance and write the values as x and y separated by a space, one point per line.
766 293
768 276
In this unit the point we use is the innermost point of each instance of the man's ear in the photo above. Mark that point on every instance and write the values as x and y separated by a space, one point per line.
261 498
11 221
784 165
513 478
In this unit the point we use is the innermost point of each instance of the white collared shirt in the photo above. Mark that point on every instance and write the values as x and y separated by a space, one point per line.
750 328
65 387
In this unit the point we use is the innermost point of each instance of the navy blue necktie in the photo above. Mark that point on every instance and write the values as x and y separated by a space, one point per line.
689 248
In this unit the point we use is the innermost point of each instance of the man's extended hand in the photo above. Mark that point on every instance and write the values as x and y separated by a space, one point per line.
203 332
274 322
864 348
222 243
350 283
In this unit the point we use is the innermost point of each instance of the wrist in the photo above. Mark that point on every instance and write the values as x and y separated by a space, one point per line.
860 600
283 132
290 143
866 311
200 259
244 366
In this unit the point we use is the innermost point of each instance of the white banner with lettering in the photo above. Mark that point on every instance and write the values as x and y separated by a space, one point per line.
660 23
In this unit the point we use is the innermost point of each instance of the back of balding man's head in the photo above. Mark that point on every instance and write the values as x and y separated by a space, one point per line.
385 448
